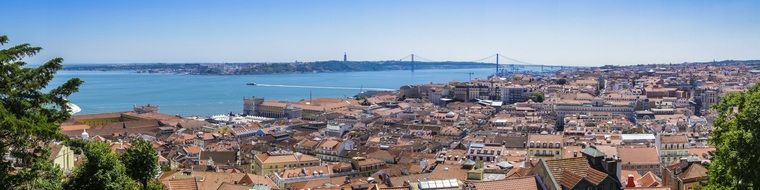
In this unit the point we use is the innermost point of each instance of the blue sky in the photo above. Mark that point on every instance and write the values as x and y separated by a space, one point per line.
551 32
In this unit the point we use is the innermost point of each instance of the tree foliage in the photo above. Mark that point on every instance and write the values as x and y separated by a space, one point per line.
100 170
562 81
155 185
141 161
736 138
537 97
30 118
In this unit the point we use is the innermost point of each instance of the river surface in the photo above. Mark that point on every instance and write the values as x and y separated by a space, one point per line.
204 95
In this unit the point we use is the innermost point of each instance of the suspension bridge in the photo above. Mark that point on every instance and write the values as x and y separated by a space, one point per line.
503 65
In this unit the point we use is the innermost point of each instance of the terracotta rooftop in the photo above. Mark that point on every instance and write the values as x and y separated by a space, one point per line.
306 171
521 183
369 161
674 139
74 127
329 144
545 138
449 171
638 155
181 184
203 180
281 158
649 180
703 153
96 116
193 149
251 179
333 183
694 171
577 167
231 186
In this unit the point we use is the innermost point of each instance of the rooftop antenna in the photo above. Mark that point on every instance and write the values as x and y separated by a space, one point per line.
309 96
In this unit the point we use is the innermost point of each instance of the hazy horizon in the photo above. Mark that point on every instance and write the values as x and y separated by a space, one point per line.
116 63
572 33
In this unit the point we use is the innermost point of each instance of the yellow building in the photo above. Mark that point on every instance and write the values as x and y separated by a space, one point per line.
268 162
63 157
548 147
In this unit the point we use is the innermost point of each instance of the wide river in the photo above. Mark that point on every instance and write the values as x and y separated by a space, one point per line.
205 95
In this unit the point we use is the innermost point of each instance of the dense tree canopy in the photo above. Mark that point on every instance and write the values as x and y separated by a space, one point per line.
537 97
101 170
30 118
736 138
562 81
141 161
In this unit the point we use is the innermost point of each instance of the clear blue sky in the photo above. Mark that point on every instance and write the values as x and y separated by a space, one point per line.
551 32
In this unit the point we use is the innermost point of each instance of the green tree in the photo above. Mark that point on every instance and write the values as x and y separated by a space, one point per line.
155 185
101 170
141 161
562 81
30 118
736 138
537 97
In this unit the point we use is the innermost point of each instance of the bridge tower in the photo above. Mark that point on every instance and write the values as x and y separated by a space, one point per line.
497 65
412 62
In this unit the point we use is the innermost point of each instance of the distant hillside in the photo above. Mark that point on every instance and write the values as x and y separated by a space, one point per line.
309 67
268 68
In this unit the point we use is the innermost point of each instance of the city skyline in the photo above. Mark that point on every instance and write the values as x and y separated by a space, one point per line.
545 32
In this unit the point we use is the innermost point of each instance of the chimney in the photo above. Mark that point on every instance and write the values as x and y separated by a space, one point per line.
630 182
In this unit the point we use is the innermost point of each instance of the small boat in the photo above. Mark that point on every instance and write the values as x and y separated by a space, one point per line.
251 83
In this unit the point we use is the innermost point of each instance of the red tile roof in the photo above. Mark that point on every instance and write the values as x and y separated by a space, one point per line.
674 139
522 183
639 155
181 184
567 170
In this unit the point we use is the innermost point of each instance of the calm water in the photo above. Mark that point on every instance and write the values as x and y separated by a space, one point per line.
208 95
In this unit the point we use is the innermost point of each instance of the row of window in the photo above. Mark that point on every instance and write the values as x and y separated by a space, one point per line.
293 165
482 158
674 146
543 153
544 145
479 151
